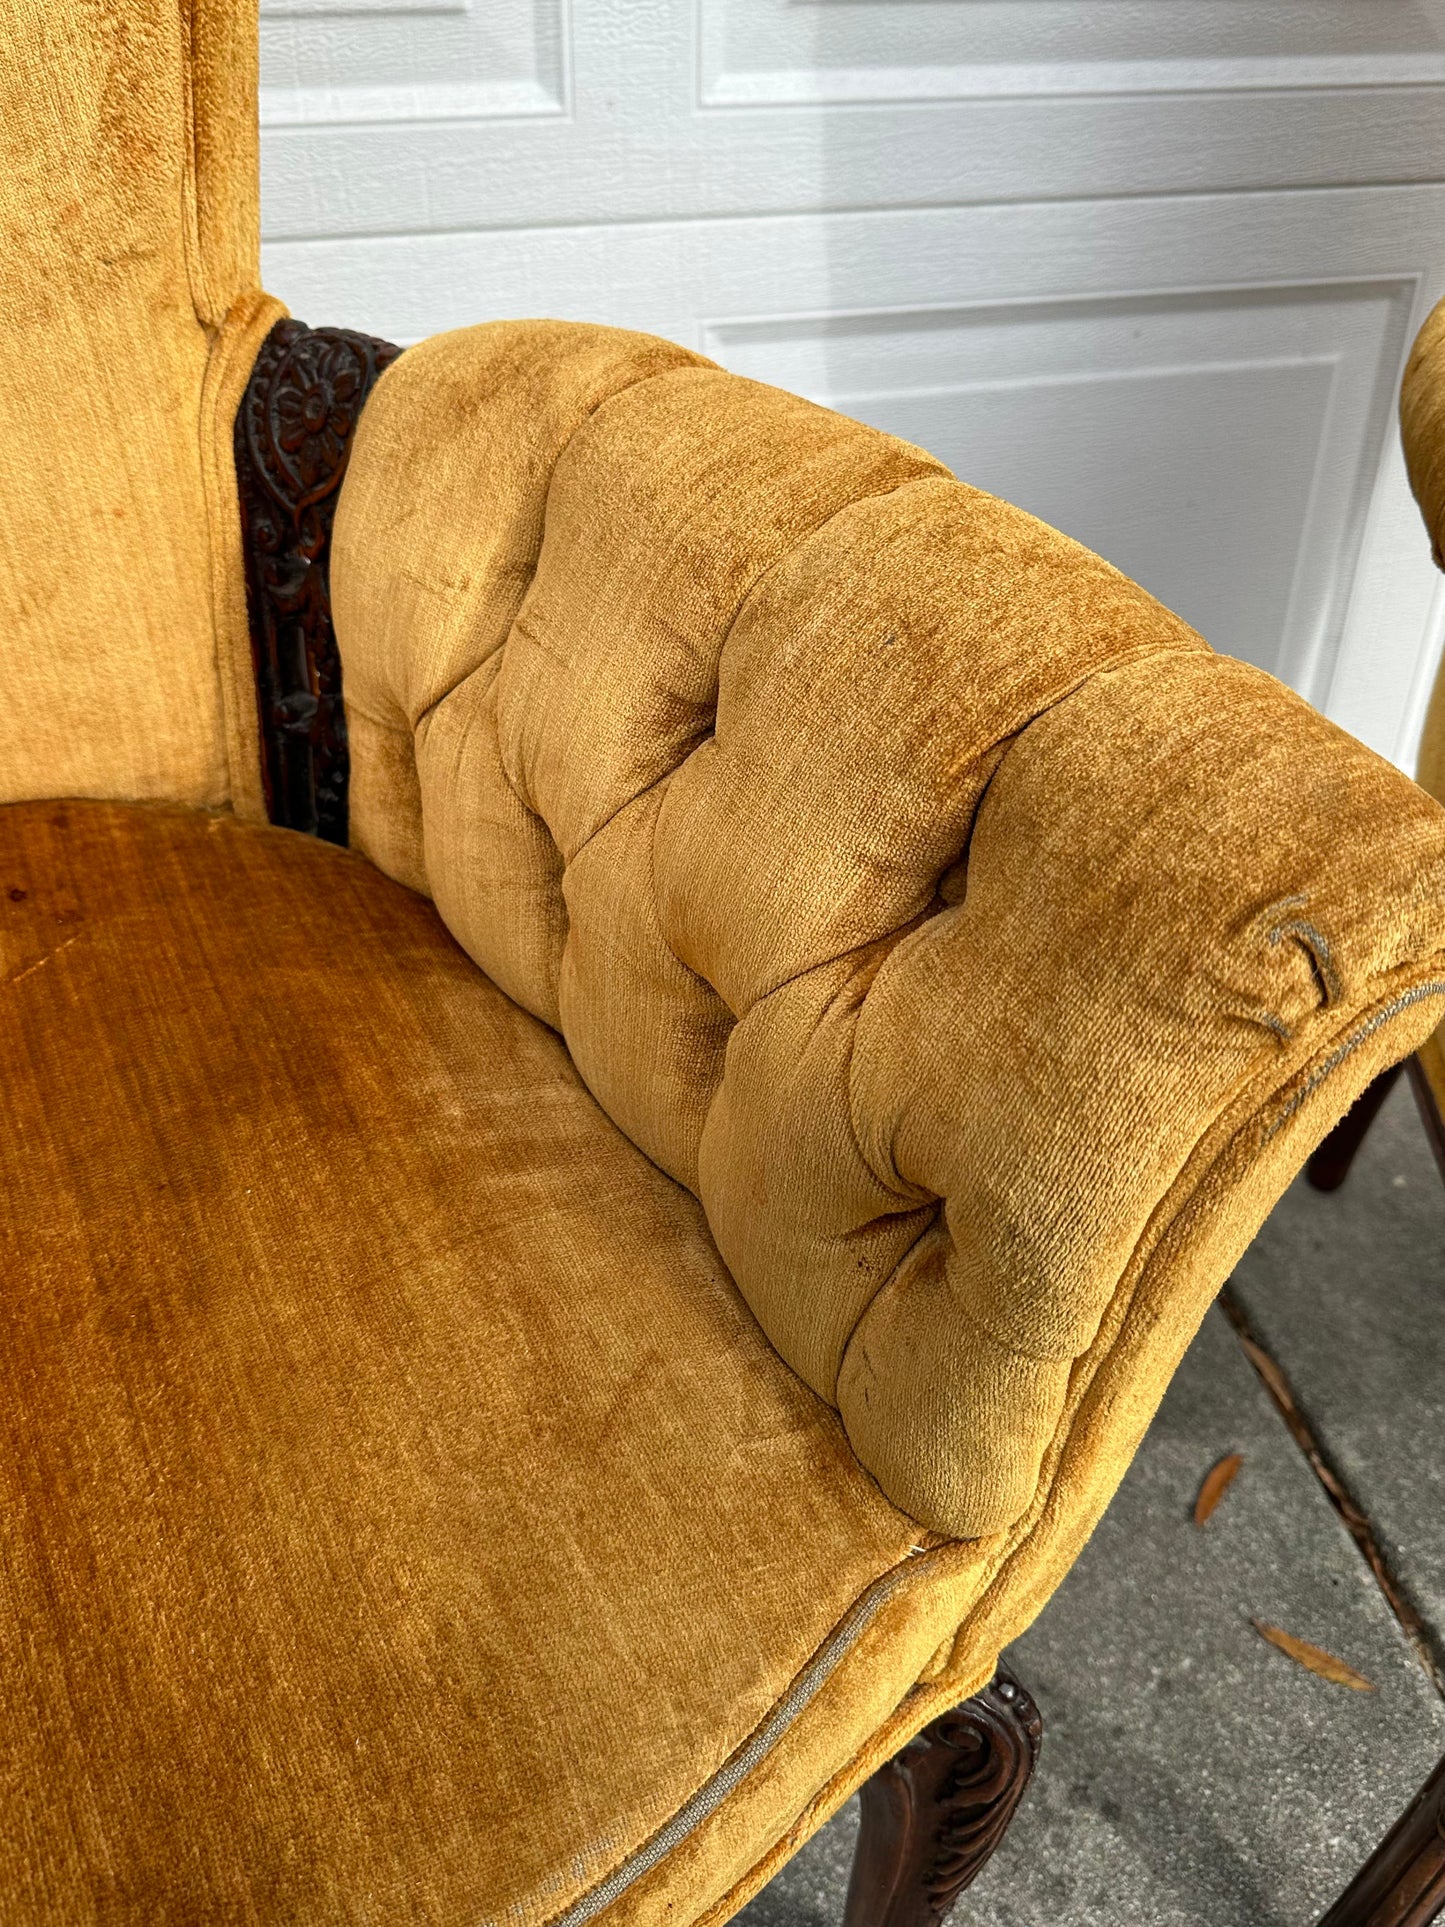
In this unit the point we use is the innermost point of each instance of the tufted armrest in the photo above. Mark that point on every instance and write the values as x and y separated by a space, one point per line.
982 950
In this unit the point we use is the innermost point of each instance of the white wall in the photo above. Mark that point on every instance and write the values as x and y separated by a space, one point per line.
1147 267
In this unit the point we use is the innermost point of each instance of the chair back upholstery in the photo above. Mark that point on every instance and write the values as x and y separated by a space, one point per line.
983 950
129 309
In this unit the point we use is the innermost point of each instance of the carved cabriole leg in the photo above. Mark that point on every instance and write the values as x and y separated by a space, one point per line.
933 1815
1402 1884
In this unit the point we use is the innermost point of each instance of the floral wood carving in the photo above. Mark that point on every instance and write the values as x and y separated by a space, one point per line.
293 436
935 1813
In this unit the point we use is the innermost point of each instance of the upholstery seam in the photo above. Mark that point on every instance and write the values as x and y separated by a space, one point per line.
924 1701
403 728
222 384
1366 1030
639 381
755 1746
913 925
1008 1554
710 735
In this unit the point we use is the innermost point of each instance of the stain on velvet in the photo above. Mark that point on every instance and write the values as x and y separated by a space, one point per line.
401 1510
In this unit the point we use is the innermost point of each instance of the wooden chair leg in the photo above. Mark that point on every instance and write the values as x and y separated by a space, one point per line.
933 1815
1429 1112
1402 1884
1330 1163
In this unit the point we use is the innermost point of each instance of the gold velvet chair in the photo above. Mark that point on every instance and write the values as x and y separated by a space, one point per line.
541 1350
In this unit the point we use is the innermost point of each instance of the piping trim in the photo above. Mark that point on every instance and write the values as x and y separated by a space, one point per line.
764 1737
1434 988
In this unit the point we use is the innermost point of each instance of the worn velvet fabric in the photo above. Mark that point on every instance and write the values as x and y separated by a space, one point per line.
511 1405
905 881
402 1512
130 310
404 1517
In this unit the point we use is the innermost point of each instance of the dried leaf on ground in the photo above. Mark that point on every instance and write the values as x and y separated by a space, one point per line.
1314 1657
1217 1482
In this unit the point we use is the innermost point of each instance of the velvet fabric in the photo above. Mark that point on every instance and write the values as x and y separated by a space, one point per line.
397 1528
131 311
511 1406
905 881
402 1512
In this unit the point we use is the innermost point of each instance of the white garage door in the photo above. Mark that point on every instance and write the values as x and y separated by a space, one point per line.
1146 267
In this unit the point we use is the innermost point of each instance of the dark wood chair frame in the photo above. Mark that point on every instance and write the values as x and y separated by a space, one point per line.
933 1815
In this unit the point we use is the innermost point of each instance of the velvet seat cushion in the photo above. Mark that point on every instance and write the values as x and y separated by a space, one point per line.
401 1515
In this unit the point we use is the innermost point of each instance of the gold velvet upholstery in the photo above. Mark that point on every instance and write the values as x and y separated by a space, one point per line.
403 1514
850 825
512 1405
130 313
405 1518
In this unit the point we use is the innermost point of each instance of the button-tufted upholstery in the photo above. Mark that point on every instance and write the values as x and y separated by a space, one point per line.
411 1513
904 880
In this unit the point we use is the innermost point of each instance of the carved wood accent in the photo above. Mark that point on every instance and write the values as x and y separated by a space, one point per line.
935 1813
1402 1884
292 439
